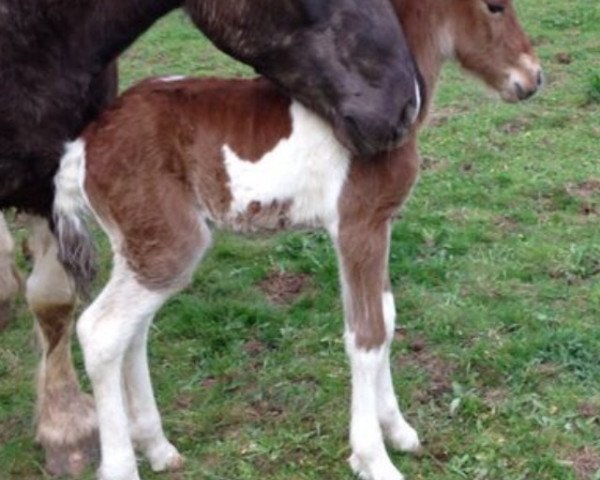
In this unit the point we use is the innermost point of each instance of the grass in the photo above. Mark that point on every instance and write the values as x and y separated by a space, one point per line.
496 273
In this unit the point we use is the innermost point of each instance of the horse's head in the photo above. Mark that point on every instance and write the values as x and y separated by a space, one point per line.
487 39
346 59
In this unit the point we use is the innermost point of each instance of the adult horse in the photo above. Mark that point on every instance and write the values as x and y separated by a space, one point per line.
346 59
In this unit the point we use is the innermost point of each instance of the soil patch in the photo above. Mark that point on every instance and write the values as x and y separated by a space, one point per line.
282 288
586 463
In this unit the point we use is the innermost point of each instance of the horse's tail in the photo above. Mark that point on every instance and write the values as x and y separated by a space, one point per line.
76 249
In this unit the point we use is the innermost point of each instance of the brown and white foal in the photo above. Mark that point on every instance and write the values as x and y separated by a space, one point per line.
175 155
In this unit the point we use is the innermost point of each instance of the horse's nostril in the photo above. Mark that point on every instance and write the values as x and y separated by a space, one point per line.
540 78
523 94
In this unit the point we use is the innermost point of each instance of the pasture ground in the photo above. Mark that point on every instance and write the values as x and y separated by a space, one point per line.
496 272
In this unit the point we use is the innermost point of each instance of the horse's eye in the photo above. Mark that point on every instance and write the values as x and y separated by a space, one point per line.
495 7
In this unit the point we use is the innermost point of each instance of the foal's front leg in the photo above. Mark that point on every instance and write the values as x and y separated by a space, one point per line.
369 321
66 420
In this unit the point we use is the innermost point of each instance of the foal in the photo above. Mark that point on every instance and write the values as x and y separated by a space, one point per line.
173 156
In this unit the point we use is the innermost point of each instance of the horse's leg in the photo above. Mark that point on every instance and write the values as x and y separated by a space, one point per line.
107 330
145 425
395 428
144 419
66 421
9 278
362 251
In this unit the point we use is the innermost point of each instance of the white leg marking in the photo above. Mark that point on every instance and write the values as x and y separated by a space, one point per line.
369 458
144 419
9 283
400 434
106 329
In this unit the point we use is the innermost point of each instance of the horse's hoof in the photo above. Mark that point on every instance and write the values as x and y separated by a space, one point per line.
72 460
68 432
169 460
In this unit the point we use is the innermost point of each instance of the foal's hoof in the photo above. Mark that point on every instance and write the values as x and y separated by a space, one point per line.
406 440
381 469
168 460
68 432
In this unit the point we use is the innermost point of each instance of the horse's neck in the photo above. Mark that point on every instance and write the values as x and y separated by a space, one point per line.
431 44
111 26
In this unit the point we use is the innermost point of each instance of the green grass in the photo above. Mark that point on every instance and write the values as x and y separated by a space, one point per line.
496 272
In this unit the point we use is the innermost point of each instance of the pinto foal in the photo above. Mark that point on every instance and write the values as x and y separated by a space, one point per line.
173 156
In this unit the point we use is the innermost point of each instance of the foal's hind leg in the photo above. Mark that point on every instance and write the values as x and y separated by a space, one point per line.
66 423
9 278
145 425
363 251
106 330
144 419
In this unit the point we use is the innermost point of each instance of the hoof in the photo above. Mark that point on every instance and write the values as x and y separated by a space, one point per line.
405 440
167 459
72 460
376 470
68 432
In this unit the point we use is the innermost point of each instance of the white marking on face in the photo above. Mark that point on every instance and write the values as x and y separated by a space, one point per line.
524 74
307 169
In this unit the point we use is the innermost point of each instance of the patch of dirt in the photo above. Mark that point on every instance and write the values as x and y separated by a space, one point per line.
589 410
441 116
433 164
184 401
254 348
586 463
563 57
515 126
507 224
495 398
439 371
282 288
584 190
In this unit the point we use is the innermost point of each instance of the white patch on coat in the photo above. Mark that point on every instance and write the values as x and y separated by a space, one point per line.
172 78
307 169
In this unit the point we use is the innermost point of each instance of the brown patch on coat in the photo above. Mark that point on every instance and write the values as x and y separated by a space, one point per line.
586 463
282 288
178 167
373 193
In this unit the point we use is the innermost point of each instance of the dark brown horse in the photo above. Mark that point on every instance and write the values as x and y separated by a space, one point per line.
346 59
